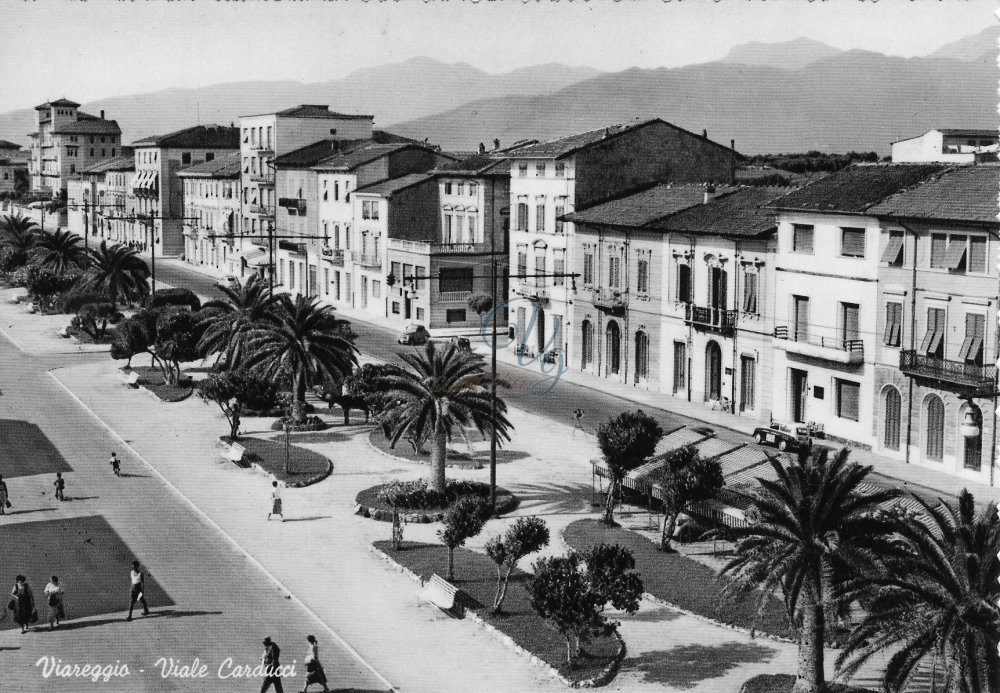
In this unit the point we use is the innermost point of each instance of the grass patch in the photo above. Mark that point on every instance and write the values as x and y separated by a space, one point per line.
456 458
783 683
475 574
305 466
152 379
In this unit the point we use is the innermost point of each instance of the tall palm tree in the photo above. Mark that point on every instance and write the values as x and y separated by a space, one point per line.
233 318
60 251
18 238
302 340
118 272
818 527
440 395
938 601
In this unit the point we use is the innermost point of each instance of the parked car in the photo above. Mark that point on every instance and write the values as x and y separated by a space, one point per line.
781 436
229 281
462 343
414 335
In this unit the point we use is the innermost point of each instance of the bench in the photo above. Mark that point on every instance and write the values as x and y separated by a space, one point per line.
441 594
63 332
132 379
235 453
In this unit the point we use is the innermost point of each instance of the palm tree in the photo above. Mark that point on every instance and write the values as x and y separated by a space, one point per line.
937 600
818 527
302 340
118 272
440 393
243 309
60 251
18 238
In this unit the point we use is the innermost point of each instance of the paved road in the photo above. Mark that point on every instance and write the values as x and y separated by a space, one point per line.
209 602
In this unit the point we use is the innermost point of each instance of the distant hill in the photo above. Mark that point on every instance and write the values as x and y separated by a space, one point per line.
981 47
789 55
855 100
391 93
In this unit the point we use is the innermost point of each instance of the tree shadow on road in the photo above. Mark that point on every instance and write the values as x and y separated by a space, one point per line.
26 512
554 498
306 519
70 499
688 665
156 613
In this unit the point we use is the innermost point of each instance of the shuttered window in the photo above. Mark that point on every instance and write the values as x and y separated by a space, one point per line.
977 254
802 238
614 271
520 325
954 258
539 266
540 217
849 321
750 292
588 343
642 276
972 345
684 283
522 261
939 246
801 317
934 417
893 323
893 253
848 398
890 415
557 326
680 367
558 267
748 383
588 269
522 216
933 344
852 242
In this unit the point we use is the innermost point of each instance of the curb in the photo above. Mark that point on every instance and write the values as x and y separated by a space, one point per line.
602 679
298 484
399 458
211 523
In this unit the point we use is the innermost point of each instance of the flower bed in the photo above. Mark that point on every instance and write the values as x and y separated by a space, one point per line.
152 379
305 466
311 423
475 574
421 504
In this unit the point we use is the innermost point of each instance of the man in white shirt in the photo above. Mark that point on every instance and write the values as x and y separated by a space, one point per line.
137 591
276 501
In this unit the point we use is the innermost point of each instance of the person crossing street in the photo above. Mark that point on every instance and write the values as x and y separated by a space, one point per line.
116 464
137 592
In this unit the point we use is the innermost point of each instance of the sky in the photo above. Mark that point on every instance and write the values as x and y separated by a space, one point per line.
90 49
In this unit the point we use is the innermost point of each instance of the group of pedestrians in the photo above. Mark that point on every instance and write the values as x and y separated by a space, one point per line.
271 660
60 486
25 613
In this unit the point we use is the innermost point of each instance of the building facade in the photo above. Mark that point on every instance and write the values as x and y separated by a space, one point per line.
211 211
13 167
953 146
68 141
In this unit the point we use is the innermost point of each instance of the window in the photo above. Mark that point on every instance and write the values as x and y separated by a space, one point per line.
336 190
891 407
312 288
185 157
395 307
934 419
849 327
802 238
560 210
560 169
559 268
522 216
680 367
291 275
539 266
522 170
112 151
848 399
893 253
684 283
939 246
364 291
800 317
614 271
642 277
748 382
420 314
455 279
933 344
972 345
369 210
447 188
459 189
750 292
522 260
92 151
852 242
408 272
588 269
454 315
587 342
641 356
977 254
210 156
540 217
473 231
539 169
376 288
336 285
473 189
954 258
447 229
893 324
397 272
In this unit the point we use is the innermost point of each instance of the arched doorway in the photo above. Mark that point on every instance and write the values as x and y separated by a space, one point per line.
891 405
641 357
972 448
587 345
540 329
612 338
713 371
934 428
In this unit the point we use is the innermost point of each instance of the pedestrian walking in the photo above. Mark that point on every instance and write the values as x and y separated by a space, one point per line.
4 498
577 422
314 670
60 485
54 598
22 603
116 464
271 661
137 592
275 502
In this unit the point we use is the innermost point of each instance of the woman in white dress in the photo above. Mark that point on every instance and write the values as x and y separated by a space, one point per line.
314 670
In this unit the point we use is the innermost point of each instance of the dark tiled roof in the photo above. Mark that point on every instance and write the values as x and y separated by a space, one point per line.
970 132
4 144
90 126
312 154
853 190
739 213
348 160
478 165
197 137
645 207
227 166
967 193
386 188
58 102
119 163
314 111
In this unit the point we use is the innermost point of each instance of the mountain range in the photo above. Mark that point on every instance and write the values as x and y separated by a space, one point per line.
791 96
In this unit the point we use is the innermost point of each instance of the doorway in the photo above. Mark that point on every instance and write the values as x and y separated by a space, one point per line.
797 387
713 371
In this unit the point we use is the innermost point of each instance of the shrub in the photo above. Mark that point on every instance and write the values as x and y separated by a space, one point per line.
526 536
415 495
72 301
463 520
94 318
174 297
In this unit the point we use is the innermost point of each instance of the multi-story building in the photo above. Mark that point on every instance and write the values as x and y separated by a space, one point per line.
945 145
935 345
551 179
67 141
211 210
157 199
13 165
674 293
826 297
112 193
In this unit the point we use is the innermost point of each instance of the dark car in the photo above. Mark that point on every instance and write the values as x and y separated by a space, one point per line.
781 437
414 335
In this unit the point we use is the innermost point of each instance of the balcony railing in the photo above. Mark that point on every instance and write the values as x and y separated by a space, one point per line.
454 296
610 300
716 319
826 348
334 255
266 178
261 147
459 248
981 380
262 210
421 247
368 261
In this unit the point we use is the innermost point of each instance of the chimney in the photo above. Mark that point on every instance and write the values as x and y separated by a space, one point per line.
496 144
607 133
704 134
482 148
102 114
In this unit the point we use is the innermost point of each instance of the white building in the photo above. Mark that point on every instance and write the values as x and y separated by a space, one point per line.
68 141
211 211
954 146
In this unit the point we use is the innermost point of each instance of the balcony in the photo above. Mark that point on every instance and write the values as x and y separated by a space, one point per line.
851 351
718 320
446 248
420 247
262 210
531 290
611 301
334 255
263 178
261 147
454 296
980 381
369 261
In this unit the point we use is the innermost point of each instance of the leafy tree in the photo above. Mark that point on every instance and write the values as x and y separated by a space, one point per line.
574 597
17 239
94 318
73 301
22 183
937 599
242 310
526 536
118 272
60 251
174 297
430 398
626 442
481 302
685 479
819 527
177 335
234 392
462 520
134 335
44 285
299 340
360 390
